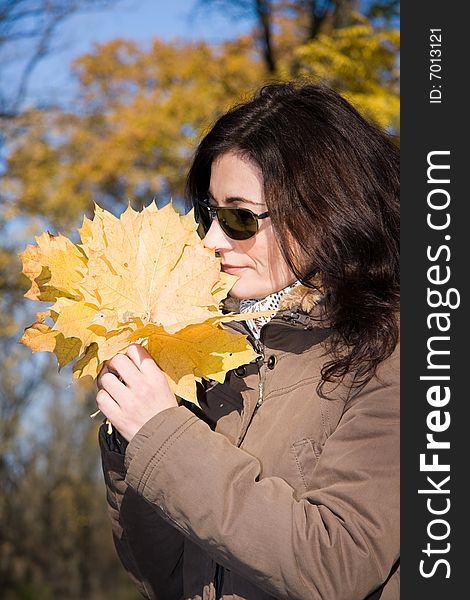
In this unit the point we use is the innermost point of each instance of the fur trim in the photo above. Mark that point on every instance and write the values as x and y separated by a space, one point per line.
301 298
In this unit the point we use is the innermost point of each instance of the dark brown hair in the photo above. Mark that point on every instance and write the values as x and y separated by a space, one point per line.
331 182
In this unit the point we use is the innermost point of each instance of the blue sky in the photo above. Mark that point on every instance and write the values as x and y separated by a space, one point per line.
138 20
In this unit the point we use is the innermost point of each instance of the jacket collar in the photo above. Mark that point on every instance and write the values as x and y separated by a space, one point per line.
300 305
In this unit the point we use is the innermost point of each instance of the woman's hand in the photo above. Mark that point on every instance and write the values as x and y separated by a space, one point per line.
132 390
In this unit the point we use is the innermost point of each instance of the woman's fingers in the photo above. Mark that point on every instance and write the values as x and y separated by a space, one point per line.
133 389
107 405
125 369
115 388
104 369
142 359
122 365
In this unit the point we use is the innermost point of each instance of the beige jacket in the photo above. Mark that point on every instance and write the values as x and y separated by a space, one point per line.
270 491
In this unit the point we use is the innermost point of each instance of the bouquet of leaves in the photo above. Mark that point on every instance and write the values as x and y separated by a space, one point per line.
144 277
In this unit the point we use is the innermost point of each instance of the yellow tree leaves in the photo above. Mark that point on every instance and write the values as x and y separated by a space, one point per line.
55 266
205 350
138 117
139 112
360 62
39 336
144 277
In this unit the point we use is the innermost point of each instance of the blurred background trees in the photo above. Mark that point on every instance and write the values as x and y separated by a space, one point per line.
128 135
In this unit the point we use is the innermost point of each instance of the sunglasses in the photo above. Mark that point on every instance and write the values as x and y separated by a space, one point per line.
236 223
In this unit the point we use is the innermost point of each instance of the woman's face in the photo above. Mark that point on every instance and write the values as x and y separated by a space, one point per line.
258 262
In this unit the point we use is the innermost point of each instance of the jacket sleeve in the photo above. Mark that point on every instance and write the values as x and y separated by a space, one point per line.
338 540
153 560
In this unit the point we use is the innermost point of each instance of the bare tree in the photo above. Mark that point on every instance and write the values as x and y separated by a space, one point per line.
344 12
27 31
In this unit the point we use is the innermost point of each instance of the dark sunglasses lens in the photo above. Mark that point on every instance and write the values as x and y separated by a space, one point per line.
237 223
202 216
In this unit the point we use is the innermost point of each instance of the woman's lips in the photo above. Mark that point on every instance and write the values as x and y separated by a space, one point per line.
231 268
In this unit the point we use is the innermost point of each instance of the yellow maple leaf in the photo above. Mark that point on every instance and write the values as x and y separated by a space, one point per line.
137 254
88 364
67 349
103 348
55 266
186 295
74 320
39 336
142 277
222 287
201 350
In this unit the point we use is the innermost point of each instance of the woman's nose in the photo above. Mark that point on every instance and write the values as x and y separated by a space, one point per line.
216 238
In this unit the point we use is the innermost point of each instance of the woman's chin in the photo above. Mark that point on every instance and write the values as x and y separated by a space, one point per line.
241 291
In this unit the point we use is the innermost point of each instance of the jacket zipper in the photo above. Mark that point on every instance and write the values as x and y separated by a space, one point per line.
218 580
259 347
261 371
290 319
219 569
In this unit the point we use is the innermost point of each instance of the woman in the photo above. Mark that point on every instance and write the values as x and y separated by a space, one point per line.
285 484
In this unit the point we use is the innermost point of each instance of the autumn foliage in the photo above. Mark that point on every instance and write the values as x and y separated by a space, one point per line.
144 277
140 112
